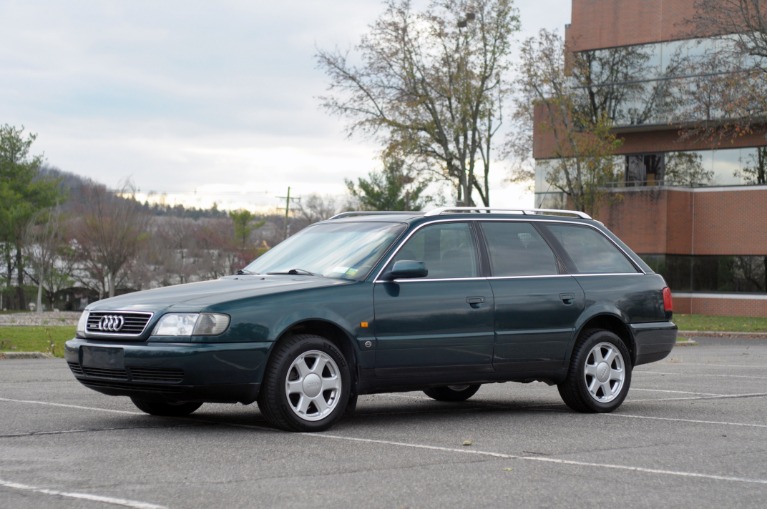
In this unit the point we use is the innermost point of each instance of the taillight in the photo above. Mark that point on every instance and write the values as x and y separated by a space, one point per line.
668 303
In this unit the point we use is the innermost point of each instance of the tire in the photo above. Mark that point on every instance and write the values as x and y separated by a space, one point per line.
600 373
452 392
165 408
306 385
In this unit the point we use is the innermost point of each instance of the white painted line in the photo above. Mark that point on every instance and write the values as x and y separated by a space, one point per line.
544 459
709 375
133 504
75 407
692 421
722 396
635 389
709 365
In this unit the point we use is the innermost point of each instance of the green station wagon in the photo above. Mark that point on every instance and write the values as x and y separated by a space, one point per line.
368 302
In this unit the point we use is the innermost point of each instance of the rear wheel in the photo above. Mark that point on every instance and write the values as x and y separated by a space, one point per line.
599 375
452 392
165 408
306 386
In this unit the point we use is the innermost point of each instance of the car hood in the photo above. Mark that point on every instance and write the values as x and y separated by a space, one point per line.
198 296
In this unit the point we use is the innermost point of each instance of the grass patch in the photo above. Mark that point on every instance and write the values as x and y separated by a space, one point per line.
32 338
720 323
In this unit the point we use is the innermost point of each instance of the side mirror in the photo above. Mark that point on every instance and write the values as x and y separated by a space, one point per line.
406 269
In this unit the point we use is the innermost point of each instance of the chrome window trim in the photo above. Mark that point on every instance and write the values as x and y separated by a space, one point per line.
406 239
538 219
427 280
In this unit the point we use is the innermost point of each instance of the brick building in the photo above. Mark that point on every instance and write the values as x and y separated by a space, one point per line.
707 233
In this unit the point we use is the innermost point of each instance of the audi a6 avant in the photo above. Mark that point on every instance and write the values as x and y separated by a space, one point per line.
442 301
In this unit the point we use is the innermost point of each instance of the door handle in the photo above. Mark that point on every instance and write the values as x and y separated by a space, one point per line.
567 298
474 302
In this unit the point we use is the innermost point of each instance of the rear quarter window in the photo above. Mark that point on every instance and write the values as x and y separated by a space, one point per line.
590 250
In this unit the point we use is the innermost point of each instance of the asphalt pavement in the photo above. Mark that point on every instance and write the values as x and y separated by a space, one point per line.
692 433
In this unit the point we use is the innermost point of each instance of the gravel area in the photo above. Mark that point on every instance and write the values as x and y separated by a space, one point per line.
44 318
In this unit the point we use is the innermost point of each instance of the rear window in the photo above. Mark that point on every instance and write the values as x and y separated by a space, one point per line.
590 250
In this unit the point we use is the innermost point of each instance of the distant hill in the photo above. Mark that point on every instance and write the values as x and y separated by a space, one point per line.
74 185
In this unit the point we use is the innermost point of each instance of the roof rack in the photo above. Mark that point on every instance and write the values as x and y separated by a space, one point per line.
355 213
490 210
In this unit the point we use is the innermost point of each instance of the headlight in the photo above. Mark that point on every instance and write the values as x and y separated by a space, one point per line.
82 324
191 324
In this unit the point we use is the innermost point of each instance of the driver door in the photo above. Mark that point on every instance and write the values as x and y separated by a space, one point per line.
439 327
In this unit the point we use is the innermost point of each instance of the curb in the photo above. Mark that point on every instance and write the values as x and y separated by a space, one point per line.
716 334
25 355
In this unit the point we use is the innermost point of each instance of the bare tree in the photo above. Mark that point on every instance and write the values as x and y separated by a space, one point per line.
576 114
111 230
314 208
44 240
430 85
216 249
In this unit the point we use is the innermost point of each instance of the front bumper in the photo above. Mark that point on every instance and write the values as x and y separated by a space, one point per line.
211 372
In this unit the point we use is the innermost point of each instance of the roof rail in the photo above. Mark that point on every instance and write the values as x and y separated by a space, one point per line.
490 210
355 213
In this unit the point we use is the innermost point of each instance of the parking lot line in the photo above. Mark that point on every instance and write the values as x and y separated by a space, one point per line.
637 389
693 398
540 459
133 504
691 421
708 375
76 407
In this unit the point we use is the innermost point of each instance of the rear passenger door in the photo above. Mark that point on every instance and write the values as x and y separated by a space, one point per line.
536 304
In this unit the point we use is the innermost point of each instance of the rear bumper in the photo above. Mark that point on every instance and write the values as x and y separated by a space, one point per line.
653 341
214 372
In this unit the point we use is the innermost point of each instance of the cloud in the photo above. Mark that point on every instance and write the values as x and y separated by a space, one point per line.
186 96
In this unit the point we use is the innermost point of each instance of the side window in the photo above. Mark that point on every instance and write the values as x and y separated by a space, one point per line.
516 249
447 249
590 250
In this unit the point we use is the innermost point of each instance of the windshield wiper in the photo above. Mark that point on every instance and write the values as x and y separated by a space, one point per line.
243 272
295 272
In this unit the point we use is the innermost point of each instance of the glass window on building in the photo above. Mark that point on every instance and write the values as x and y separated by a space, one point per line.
715 274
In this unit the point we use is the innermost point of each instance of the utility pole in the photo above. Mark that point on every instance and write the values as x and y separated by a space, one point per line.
288 199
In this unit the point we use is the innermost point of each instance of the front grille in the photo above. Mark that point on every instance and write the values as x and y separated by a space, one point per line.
126 387
157 375
76 368
113 374
117 323
138 375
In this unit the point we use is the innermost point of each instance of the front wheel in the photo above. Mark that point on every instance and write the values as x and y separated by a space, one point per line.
306 386
165 408
599 375
452 392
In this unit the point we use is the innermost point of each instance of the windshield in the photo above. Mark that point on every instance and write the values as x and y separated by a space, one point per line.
339 250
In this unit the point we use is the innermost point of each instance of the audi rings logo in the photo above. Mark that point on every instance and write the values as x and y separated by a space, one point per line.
111 323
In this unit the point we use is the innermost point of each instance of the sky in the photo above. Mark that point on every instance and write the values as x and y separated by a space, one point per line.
197 102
